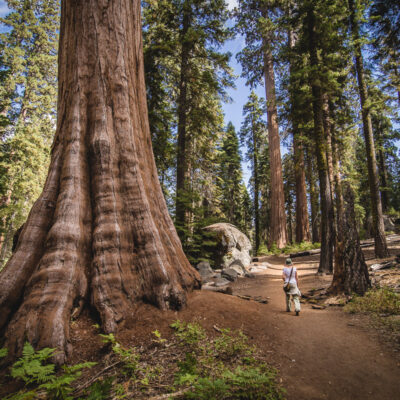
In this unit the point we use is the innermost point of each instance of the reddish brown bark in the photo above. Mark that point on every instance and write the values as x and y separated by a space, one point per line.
100 232
278 216
302 223
327 234
381 249
351 272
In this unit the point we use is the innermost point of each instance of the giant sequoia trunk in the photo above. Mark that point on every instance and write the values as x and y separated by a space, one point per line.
381 250
100 233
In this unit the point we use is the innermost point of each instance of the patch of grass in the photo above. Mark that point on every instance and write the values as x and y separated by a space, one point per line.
383 306
289 249
299 247
376 301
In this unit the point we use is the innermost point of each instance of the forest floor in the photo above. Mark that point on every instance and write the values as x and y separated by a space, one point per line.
321 354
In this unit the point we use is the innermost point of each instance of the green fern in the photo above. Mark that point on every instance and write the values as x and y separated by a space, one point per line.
60 387
22 395
30 368
3 352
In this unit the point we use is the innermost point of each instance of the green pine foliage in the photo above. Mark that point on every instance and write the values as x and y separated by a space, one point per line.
28 91
199 27
253 135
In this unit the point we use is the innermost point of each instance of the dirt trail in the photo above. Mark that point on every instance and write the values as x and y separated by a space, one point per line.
322 354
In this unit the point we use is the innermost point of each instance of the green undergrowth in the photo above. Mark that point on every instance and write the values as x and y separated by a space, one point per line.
189 365
376 301
289 249
383 305
39 375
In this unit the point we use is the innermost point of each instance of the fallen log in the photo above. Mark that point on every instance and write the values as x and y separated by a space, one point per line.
305 253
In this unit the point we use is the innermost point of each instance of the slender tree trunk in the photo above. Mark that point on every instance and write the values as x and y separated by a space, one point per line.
302 222
278 217
382 168
327 238
315 235
100 232
290 220
381 250
384 181
182 168
256 195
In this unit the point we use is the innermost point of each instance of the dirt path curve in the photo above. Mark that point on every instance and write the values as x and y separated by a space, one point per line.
322 354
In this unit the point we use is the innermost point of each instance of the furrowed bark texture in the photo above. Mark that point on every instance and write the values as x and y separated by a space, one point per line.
351 272
302 222
100 231
278 216
381 250
327 234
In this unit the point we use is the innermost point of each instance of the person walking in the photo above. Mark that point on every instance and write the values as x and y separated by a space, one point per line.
291 286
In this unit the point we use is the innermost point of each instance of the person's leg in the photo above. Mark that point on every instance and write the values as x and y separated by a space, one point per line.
296 300
288 303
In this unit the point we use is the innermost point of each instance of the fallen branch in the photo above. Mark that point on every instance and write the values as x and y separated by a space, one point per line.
217 329
170 395
81 388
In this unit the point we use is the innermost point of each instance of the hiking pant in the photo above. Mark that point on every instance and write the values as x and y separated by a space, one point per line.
294 292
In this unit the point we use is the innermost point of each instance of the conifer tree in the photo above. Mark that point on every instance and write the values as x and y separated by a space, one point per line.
29 61
230 177
376 205
182 42
254 21
253 135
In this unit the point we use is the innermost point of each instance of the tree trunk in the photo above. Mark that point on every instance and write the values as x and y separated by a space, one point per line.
302 223
381 250
327 238
382 168
278 217
100 232
351 272
182 168
315 235
384 181
256 195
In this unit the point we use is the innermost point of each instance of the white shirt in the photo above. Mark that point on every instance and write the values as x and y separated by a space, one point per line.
286 272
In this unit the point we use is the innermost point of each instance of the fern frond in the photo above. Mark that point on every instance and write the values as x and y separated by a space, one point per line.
3 352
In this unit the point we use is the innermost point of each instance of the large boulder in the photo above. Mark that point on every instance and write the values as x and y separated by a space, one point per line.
232 247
